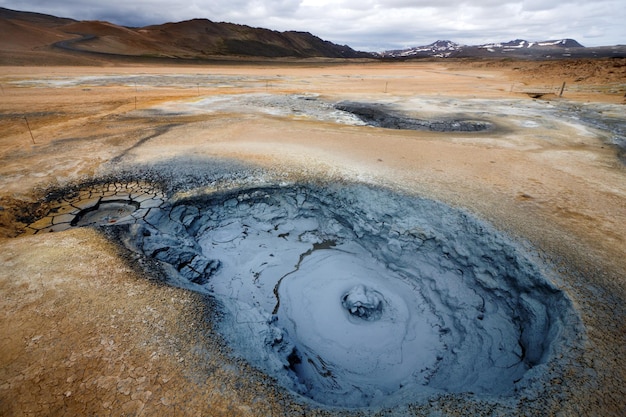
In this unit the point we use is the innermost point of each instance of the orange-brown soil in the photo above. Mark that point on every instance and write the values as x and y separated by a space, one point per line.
85 333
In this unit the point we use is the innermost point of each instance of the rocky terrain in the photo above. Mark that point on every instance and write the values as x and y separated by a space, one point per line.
161 166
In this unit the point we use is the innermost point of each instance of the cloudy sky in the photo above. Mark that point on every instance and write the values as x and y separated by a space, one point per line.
372 25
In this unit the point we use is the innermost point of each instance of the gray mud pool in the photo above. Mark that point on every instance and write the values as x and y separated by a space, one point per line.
355 296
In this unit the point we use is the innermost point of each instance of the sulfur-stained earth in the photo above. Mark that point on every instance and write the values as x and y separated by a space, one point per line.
88 328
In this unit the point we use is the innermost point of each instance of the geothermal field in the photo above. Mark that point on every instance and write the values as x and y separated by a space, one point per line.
313 238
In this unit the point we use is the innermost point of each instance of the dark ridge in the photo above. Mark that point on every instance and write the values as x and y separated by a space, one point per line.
196 39
39 18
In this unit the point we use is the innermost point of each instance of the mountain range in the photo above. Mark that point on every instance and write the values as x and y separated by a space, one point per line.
27 37
518 48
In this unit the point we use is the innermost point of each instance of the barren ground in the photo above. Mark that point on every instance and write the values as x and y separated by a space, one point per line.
85 333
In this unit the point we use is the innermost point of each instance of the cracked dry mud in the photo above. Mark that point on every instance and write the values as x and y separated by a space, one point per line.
90 328
109 203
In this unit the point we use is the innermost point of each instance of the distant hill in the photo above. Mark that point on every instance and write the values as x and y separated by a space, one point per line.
193 39
519 48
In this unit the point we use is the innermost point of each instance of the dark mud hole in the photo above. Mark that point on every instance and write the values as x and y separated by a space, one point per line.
380 115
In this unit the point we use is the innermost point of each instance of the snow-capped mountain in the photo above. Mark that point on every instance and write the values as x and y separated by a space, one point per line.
449 49
521 43
439 49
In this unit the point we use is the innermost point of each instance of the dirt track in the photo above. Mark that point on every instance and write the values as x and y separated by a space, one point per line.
86 334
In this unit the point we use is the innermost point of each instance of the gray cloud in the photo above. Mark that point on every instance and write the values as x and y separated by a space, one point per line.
372 24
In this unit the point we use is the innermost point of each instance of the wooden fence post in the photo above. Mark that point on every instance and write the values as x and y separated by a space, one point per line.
29 131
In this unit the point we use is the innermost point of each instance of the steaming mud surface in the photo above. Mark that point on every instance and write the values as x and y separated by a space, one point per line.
355 296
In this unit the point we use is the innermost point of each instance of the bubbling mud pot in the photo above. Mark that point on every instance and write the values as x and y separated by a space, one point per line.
355 296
